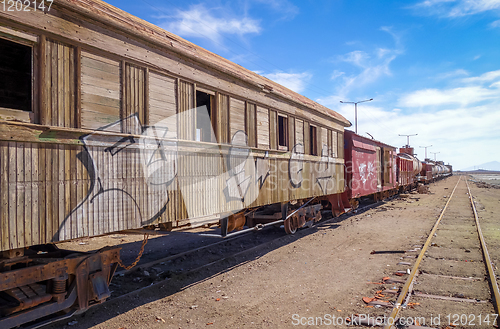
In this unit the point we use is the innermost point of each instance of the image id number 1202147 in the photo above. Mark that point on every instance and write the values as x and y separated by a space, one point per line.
25 5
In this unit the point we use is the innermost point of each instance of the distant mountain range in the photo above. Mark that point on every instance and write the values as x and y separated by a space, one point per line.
492 166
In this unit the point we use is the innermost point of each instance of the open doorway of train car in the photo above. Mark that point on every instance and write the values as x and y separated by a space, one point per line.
384 173
205 125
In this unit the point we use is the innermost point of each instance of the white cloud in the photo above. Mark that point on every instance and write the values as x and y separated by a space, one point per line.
371 66
456 8
485 77
286 9
495 24
198 21
463 96
477 89
337 74
294 81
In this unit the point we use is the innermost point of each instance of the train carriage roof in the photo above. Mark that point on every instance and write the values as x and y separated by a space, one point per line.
118 19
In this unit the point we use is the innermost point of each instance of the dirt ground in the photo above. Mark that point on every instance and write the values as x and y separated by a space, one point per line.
305 280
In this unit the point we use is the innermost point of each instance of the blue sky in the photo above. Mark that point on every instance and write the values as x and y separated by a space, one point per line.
431 66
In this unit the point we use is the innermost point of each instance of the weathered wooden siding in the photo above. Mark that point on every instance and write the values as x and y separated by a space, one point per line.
101 91
59 109
186 123
334 145
39 186
250 124
299 133
323 142
307 138
340 147
291 132
273 129
262 128
134 99
236 115
222 127
163 102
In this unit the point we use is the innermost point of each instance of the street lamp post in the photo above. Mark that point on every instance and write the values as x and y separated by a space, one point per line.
356 111
408 139
435 154
425 147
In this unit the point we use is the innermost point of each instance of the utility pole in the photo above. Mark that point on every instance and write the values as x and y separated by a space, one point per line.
356 112
408 139
435 154
425 147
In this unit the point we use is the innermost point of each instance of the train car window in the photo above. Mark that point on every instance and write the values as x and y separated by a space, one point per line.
16 62
282 132
204 116
313 140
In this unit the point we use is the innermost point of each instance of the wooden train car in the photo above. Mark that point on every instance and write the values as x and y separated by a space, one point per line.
109 123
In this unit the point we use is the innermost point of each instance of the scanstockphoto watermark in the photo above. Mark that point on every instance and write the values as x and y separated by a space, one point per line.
373 320
354 320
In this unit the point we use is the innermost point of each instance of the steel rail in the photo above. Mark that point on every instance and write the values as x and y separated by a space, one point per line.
399 302
486 255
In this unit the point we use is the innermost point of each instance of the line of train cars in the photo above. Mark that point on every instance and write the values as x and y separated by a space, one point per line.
110 124
374 170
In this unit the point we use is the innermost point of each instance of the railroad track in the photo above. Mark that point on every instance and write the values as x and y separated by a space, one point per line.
452 280
156 272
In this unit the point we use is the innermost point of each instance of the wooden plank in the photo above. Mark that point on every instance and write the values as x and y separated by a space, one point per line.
334 144
53 217
291 132
162 100
12 114
65 230
273 129
299 133
97 86
103 104
30 38
42 179
323 142
58 70
68 90
12 172
28 188
236 116
100 91
78 87
250 124
20 196
340 148
262 127
42 81
4 196
146 97
35 172
53 87
307 138
186 117
222 129
69 179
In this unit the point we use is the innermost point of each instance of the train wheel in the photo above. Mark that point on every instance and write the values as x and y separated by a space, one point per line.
290 225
